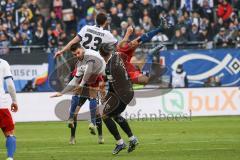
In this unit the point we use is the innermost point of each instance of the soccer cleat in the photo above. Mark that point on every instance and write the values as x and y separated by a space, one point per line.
156 49
92 128
132 145
70 123
100 140
9 158
118 148
72 141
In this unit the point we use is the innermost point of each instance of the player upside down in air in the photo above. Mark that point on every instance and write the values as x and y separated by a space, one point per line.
127 48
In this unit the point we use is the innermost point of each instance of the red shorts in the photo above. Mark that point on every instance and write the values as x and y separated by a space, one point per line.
6 122
96 81
132 72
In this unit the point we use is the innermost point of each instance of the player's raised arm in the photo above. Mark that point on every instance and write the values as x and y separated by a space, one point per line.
126 36
76 39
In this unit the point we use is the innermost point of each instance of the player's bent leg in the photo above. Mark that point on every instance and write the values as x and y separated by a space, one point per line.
109 110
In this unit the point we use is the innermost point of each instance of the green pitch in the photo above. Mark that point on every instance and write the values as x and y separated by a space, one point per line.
202 138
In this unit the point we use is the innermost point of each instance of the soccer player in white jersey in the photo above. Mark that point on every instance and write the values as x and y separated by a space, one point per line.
90 66
90 37
6 122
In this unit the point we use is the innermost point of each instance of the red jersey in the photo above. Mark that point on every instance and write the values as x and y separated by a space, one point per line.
126 52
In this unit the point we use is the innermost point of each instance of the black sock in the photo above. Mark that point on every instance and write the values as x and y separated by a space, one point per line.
124 125
73 130
112 127
99 125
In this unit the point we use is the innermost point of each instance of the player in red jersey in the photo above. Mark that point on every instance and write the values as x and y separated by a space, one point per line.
127 49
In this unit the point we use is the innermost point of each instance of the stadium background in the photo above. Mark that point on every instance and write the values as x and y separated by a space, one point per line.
31 31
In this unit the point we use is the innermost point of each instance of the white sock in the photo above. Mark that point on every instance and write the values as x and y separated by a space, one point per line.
120 141
132 138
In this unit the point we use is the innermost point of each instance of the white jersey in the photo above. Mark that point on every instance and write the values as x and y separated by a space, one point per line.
99 64
5 72
93 36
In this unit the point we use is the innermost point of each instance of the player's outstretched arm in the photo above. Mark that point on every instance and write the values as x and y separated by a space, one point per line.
69 88
76 39
126 36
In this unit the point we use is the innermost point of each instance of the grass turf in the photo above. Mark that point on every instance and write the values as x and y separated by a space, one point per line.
208 138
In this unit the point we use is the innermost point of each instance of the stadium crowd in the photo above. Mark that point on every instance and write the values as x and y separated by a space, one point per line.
215 22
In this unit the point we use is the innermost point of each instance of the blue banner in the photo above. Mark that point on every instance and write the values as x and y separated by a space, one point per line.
202 64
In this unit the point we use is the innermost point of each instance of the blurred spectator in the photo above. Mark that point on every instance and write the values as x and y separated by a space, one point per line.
178 38
212 82
115 20
224 9
221 39
206 9
39 36
52 21
219 25
179 78
187 5
57 6
237 39
146 6
123 30
25 14
115 34
120 12
130 21
89 20
193 35
34 7
205 37
202 3
62 40
4 43
17 39
10 6
29 87
147 23
26 34
52 39
184 32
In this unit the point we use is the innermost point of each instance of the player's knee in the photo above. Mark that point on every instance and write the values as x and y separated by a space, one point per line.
118 118
9 133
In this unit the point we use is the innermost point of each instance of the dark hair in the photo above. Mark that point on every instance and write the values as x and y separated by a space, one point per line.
106 49
74 47
101 18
